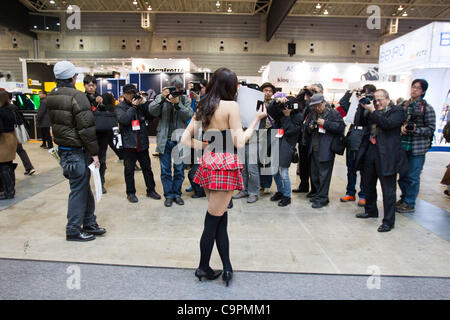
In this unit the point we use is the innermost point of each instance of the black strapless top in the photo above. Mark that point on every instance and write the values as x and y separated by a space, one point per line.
219 141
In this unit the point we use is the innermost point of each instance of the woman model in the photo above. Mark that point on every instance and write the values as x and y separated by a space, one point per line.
217 119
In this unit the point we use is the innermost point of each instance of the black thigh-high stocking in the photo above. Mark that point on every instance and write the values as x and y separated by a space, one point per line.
222 242
207 241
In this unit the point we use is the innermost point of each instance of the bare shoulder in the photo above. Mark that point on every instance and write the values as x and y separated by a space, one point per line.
228 106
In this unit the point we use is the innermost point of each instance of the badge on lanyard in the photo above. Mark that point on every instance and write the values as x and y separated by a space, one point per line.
322 130
280 133
135 125
373 140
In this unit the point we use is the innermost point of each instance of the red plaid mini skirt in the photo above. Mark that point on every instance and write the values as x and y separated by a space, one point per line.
220 171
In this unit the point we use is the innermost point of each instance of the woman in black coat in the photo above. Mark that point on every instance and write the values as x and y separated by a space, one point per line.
43 122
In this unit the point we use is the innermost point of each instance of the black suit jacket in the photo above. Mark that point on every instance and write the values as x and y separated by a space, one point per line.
334 126
388 139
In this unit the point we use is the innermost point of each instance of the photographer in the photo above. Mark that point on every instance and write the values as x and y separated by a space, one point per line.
288 119
379 156
354 137
304 164
264 139
322 126
173 107
417 135
90 86
131 114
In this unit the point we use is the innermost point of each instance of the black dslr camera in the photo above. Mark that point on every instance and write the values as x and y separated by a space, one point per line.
137 96
313 125
174 93
291 104
365 100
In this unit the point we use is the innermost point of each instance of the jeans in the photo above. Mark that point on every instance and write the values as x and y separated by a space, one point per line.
410 182
351 176
250 174
81 204
172 185
283 182
130 158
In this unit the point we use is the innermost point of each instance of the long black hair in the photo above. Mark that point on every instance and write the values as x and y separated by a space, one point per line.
222 86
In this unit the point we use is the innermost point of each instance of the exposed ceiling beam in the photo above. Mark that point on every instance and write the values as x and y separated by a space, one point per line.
278 12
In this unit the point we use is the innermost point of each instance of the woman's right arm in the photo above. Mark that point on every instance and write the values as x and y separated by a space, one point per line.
241 137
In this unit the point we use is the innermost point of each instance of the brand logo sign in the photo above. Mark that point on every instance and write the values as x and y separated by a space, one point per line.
392 53
445 39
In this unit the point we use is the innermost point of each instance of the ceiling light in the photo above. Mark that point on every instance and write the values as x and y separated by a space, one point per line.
217 4
400 8
404 14
52 1
135 2
149 8
318 6
325 12
230 10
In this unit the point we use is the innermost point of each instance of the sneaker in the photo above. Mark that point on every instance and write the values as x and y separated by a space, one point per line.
252 199
399 203
361 202
348 198
30 172
285 201
277 197
240 195
132 198
405 209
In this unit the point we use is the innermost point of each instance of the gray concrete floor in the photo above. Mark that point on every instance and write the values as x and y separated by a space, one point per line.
263 237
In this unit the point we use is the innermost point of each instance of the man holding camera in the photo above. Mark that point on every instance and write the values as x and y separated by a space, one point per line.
288 120
131 114
90 87
354 136
322 126
417 135
304 164
173 107
379 155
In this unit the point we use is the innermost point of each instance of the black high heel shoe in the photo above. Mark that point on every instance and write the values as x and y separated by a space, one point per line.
227 276
199 273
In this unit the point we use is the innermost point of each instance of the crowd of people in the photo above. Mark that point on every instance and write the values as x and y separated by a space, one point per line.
385 141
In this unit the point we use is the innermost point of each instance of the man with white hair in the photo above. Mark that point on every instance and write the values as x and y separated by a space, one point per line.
173 107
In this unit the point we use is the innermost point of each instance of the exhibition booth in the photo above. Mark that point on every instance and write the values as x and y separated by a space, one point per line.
423 54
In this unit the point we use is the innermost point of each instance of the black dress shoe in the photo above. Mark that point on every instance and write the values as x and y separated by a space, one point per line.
168 203
197 196
277 197
285 201
132 198
94 229
230 205
81 237
200 274
312 200
320 204
179 201
104 190
154 195
311 195
6 196
366 216
227 276
385 228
